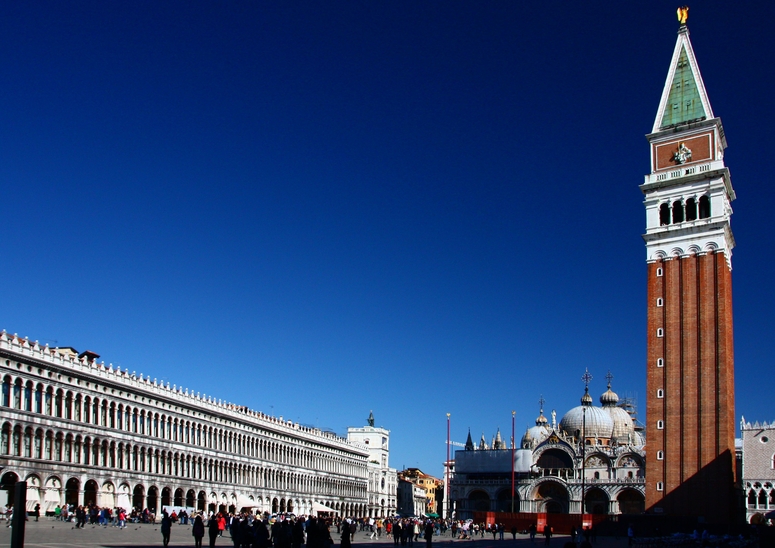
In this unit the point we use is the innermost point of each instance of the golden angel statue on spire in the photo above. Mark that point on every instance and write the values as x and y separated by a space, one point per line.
683 14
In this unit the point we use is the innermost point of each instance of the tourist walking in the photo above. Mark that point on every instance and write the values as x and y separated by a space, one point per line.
166 526
198 530
213 529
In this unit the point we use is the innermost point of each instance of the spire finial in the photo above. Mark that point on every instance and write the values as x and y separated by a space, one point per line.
586 377
683 14
608 377
541 402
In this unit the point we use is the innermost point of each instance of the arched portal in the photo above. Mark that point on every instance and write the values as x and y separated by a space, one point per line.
178 501
90 489
631 502
201 501
166 496
71 491
275 506
153 498
595 502
552 498
190 498
504 500
8 484
138 497
479 501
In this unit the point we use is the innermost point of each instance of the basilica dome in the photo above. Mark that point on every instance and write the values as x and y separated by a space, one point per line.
597 423
623 428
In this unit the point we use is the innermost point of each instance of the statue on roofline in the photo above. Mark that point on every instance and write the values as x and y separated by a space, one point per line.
683 14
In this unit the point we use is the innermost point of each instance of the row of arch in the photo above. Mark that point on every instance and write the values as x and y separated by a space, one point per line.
553 498
681 210
761 497
35 397
24 441
107 493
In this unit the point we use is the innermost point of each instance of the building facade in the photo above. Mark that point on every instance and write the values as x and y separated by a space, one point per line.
427 483
80 432
594 458
758 475
411 499
382 486
690 362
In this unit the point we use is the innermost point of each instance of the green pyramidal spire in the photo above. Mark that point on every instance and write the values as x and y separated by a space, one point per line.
684 103
684 98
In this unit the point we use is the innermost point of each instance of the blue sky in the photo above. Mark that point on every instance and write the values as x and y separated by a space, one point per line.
319 209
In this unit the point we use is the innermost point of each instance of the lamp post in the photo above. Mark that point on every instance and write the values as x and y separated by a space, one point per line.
585 402
513 449
447 493
583 459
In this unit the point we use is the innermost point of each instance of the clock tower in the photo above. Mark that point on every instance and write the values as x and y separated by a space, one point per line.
690 432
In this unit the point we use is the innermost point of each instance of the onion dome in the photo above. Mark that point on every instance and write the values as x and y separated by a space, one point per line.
587 420
538 433
623 427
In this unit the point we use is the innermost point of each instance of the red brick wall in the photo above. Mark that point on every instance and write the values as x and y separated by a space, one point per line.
698 383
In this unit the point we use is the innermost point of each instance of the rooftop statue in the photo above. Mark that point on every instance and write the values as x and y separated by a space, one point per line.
683 14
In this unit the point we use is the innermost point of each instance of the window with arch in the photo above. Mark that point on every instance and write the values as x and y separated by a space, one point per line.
660 332
691 209
664 214
659 272
660 362
660 301
678 212
660 425
660 393
660 486
660 455
704 207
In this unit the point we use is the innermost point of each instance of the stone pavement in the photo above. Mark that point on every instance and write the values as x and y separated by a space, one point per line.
48 533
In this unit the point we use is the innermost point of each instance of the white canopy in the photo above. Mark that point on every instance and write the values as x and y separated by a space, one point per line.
318 507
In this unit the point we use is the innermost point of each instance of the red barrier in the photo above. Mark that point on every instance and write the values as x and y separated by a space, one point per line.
560 523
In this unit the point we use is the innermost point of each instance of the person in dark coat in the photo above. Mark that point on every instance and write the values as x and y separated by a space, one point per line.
166 526
428 533
346 542
198 530
298 534
213 530
260 534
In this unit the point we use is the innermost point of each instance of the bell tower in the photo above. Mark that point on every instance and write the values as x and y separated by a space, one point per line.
690 363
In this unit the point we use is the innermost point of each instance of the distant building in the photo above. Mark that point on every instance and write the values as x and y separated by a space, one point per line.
383 480
427 483
758 476
411 499
595 454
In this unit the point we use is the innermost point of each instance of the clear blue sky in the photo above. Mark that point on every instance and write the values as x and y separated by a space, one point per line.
318 209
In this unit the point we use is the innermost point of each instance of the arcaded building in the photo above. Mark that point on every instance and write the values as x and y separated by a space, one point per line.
758 477
593 458
79 432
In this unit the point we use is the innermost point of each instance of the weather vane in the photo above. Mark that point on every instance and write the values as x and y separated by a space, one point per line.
683 14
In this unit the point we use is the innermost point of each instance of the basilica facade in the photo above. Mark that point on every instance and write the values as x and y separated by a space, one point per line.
80 432
593 458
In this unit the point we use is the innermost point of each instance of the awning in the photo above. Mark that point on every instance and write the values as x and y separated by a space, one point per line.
432 515
318 507
246 502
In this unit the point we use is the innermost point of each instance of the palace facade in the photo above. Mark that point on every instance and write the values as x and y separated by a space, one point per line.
79 432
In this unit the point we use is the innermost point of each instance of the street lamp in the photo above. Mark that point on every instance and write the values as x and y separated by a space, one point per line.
447 493
513 448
